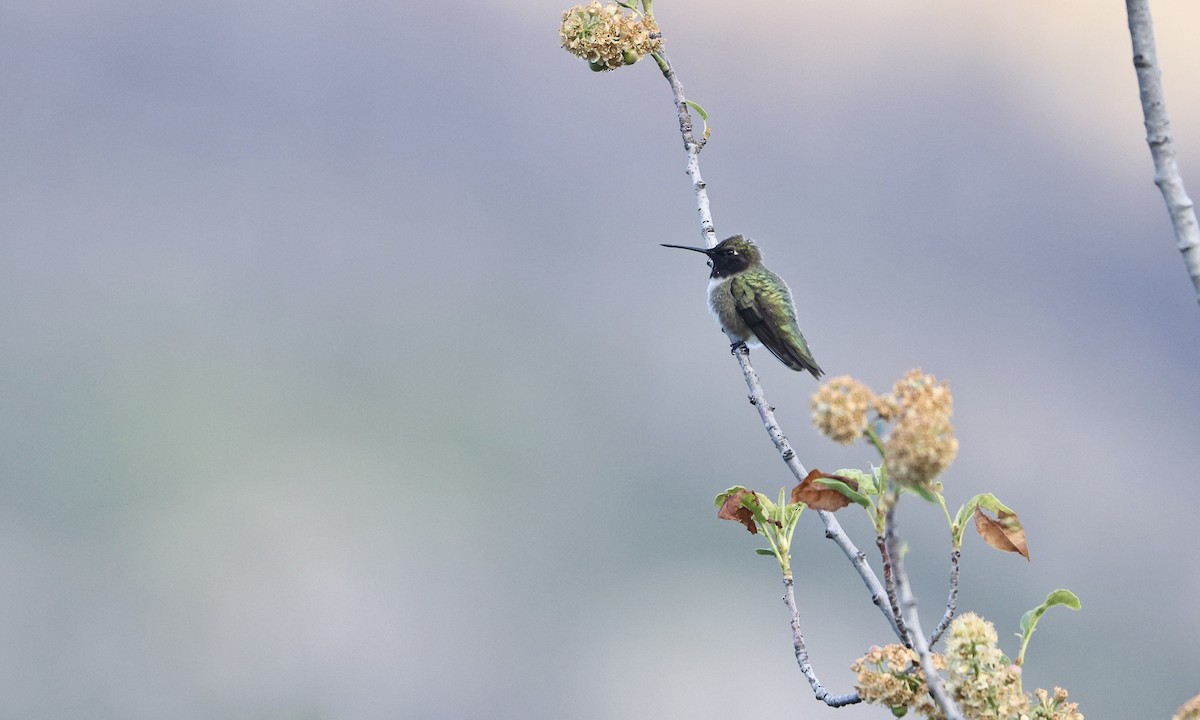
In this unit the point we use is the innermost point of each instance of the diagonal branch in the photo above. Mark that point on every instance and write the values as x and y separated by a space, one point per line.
833 529
1158 135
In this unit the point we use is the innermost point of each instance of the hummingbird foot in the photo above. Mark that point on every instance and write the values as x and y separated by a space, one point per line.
739 347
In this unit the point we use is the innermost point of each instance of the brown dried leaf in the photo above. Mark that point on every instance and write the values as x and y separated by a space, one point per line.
820 497
732 509
1005 533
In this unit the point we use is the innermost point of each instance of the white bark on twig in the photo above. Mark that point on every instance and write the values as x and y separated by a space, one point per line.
693 148
1158 135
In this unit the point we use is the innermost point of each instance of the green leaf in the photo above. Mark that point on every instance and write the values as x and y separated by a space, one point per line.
791 516
866 481
752 501
1062 596
987 501
699 110
925 493
1058 597
879 474
761 502
725 495
1030 619
960 520
764 551
846 490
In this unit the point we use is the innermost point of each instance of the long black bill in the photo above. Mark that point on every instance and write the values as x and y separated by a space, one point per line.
706 251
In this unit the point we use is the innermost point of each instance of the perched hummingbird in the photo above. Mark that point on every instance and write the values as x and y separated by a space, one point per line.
753 304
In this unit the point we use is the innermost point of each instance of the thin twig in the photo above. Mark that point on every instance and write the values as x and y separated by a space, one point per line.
789 597
693 147
951 600
1158 135
889 582
908 609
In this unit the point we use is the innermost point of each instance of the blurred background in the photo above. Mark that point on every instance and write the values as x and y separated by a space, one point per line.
343 375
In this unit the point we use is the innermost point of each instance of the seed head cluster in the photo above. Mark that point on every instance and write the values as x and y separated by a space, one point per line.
981 681
839 409
1189 711
606 37
1055 707
922 444
918 392
886 407
891 676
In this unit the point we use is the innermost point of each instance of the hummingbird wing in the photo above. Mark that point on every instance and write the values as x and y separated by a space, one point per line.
765 304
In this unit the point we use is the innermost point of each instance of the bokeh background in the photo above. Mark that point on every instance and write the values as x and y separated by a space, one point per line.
343 376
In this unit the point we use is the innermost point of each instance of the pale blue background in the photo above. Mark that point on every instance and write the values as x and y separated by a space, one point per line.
343 376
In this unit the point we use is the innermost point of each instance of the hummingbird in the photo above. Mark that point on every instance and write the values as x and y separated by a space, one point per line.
753 304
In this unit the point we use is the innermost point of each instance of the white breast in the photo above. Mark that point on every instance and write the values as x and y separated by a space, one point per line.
719 300
716 285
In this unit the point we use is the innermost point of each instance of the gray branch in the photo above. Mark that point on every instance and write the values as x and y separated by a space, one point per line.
693 148
1162 144
908 609
806 667
951 600
833 529
889 581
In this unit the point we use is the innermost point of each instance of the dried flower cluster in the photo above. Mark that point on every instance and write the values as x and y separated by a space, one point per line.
922 444
839 409
886 407
983 683
891 676
1189 711
918 392
1056 707
606 37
